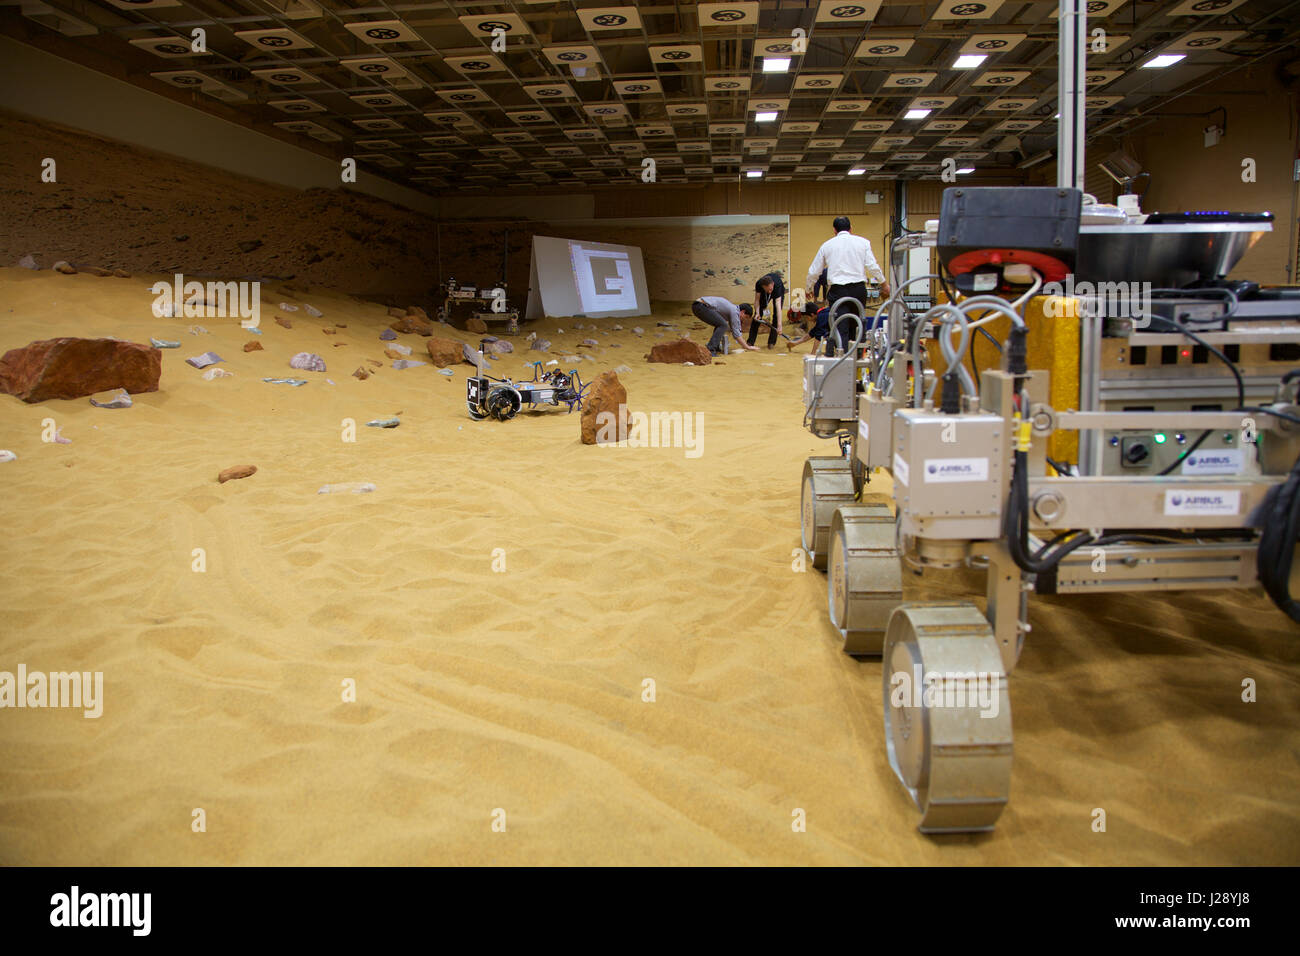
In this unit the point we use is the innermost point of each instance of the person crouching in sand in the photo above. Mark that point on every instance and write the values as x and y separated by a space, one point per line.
724 316
820 329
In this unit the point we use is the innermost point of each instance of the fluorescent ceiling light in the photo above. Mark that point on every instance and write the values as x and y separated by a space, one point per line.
916 114
856 172
776 65
754 173
1162 61
764 117
965 169
969 61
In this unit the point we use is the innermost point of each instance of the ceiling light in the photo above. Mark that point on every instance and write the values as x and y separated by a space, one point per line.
965 169
1162 61
969 61
856 172
764 117
754 173
916 114
776 65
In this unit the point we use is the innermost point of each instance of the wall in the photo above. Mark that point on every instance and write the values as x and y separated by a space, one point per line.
42 85
1185 175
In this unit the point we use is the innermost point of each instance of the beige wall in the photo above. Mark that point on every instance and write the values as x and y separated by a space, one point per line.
1185 175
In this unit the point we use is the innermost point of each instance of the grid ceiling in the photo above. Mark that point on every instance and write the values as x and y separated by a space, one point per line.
454 96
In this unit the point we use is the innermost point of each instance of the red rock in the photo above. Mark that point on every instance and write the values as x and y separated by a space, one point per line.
96 271
393 354
281 320
239 471
253 346
376 363
475 324
444 352
64 267
396 313
413 324
418 312
121 274
604 405
679 352
330 331
74 368
361 373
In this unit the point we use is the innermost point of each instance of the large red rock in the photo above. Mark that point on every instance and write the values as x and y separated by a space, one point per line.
412 324
444 352
475 324
603 407
679 352
74 368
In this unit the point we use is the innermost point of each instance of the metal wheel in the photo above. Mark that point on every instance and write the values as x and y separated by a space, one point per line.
827 484
864 582
947 715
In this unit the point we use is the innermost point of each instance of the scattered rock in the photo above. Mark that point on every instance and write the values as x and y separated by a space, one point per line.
217 372
198 330
361 373
353 487
27 262
7 455
281 320
413 324
622 370
375 362
340 325
407 363
250 245
502 347
418 312
638 330
253 346
308 362
541 345
588 342
311 310
121 274
239 471
388 335
531 336
96 271
339 345
681 352
401 349
446 371
330 331
65 268
286 307
295 382
161 344
396 313
475 324
444 352
470 355
392 353
667 325
604 410
204 360
385 423
74 368
120 400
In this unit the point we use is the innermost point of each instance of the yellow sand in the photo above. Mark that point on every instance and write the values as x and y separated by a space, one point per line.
522 690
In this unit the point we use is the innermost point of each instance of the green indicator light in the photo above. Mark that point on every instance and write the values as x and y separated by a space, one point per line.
1160 439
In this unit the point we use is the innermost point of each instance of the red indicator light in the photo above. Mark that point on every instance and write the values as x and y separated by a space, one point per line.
1186 353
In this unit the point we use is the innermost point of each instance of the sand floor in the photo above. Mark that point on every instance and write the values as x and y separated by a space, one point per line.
522 689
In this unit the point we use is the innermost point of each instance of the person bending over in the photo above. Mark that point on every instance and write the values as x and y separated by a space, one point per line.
724 316
820 329
771 289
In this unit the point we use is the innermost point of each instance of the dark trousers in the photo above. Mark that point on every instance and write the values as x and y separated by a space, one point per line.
711 316
754 325
843 331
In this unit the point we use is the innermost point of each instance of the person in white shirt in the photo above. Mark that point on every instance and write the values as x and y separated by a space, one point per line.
848 260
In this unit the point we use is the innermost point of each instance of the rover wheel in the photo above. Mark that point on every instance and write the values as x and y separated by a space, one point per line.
948 733
827 484
864 581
